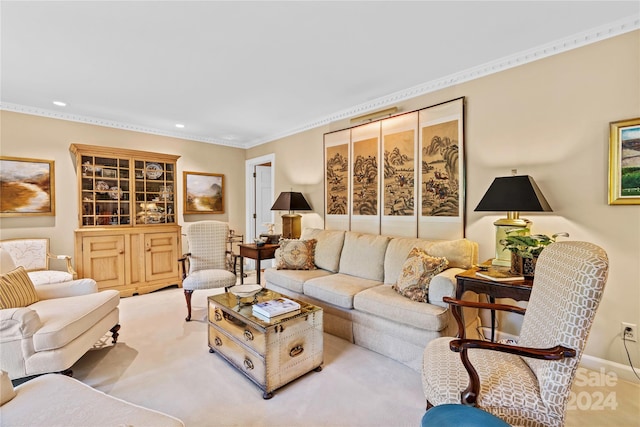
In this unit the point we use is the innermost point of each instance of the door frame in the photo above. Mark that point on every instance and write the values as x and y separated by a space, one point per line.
250 165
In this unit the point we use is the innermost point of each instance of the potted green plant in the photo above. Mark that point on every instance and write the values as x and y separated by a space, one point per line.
526 248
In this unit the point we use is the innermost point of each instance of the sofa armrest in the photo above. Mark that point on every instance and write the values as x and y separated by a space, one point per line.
67 289
443 285
18 323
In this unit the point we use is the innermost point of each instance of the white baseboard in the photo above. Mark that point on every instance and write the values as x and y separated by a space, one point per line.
623 372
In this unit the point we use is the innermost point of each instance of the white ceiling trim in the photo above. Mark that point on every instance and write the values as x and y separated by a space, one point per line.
559 46
112 124
600 33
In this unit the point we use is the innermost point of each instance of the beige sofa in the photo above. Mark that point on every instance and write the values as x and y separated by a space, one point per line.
353 284
57 400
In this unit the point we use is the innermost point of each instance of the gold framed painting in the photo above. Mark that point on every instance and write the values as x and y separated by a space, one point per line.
28 187
203 193
624 162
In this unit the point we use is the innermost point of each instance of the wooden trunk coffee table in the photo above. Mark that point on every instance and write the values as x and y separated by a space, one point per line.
269 353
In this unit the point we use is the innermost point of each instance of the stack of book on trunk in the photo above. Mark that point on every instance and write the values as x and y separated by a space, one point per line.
268 310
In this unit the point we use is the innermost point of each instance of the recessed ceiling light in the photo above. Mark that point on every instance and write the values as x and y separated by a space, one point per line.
60 103
179 125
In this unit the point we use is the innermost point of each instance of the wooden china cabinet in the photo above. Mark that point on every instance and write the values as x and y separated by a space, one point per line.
128 238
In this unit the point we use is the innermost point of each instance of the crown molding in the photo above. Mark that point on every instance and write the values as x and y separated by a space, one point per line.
17 108
575 41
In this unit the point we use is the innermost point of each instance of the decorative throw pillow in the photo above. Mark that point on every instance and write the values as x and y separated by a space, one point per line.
296 254
16 289
417 272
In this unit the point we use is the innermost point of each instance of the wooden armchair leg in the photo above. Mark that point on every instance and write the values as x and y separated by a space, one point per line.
114 333
187 297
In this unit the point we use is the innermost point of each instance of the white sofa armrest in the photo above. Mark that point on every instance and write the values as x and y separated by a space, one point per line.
67 289
18 323
443 285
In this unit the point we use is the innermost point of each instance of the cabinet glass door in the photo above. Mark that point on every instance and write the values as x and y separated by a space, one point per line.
105 191
154 192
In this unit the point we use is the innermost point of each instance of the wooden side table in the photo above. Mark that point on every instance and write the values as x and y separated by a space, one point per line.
251 250
468 281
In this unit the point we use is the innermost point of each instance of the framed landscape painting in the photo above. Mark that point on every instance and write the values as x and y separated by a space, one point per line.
28 187
203 193
624 162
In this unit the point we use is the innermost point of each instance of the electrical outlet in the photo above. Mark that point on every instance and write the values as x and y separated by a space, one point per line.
629 332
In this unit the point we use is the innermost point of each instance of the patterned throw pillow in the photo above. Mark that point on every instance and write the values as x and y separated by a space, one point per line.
417 272
16 289
296 254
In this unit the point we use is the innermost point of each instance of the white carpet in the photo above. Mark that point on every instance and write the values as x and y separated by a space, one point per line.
163 363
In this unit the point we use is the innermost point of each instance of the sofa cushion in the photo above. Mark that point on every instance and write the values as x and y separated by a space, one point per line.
461 253
292 279
296 254
363 255
328 248
337 289
16 289
46 277
417 272
382 301
64 319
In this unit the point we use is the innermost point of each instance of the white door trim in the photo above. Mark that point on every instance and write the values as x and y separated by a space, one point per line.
250 189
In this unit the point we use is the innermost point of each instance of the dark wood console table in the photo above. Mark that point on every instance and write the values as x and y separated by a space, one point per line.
517 290
258 253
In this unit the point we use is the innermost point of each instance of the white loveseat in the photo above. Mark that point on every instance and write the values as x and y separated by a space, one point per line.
50 335
353 284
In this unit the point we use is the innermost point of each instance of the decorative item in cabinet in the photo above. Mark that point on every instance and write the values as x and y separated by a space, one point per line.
121 187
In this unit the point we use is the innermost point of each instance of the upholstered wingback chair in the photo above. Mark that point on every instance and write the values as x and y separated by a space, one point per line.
528 383
205 265
34 256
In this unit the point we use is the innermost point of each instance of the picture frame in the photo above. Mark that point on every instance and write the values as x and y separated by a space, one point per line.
624 162
203 193
109 173
28 187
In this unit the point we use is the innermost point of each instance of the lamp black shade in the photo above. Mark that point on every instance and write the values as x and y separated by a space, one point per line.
514 194
290 201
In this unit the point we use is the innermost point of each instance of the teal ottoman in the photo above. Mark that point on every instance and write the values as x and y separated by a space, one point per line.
460 416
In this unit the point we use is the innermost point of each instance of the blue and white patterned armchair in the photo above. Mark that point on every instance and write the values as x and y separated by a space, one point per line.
528 384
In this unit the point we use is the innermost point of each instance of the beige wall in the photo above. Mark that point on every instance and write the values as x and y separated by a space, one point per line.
44 138
548 119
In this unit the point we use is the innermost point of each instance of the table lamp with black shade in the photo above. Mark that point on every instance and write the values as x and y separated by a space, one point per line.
511 194
291 223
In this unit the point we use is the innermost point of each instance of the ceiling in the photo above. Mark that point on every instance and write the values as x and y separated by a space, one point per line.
244 73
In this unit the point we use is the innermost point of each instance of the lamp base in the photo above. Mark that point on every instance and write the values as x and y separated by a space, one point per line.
291 226
503 225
